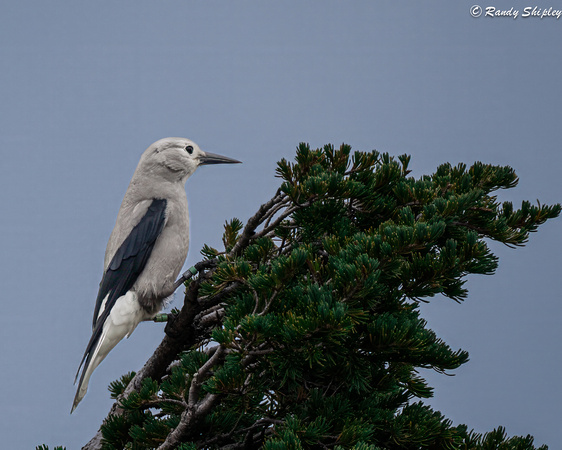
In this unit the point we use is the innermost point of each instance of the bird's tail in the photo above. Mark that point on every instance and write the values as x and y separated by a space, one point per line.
121 321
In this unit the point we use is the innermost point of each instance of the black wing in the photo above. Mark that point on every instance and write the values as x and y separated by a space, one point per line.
125 267
130 258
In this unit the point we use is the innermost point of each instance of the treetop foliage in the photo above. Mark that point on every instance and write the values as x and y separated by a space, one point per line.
305 332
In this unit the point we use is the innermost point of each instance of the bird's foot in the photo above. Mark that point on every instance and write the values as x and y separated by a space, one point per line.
170 319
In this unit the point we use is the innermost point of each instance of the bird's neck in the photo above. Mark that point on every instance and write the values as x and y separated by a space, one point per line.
148 188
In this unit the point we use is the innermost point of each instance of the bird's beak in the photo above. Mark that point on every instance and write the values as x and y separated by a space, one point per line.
212 158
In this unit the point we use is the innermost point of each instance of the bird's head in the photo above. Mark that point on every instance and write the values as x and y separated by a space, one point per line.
175 159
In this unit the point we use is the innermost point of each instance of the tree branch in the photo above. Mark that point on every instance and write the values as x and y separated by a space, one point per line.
254 222
188 419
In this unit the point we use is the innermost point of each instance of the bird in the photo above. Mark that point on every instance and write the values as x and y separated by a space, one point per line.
146 249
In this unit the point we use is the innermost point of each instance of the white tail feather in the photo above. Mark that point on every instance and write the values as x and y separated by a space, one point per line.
124 317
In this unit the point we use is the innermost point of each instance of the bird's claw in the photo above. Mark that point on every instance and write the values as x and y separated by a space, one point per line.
170 319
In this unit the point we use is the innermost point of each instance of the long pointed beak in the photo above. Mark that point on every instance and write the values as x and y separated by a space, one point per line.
212 158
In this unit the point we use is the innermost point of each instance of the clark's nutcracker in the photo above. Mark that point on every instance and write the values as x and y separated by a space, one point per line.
146 249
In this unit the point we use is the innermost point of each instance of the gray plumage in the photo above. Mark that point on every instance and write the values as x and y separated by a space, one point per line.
147 247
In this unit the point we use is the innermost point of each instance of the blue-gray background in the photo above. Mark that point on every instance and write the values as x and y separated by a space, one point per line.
85 87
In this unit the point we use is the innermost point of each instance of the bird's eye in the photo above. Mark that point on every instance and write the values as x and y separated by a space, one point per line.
189 149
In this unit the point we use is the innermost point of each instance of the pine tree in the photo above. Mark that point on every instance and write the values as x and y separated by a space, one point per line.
305 331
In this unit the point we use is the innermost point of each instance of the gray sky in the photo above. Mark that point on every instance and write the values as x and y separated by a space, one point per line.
85 87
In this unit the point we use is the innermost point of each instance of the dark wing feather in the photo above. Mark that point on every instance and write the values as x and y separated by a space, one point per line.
125 267
130 258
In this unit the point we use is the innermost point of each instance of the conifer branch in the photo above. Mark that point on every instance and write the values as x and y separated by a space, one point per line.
258 425
254 222
188 419
271 213
201 375
213 317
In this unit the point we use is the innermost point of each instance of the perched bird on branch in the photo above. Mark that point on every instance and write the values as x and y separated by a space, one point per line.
146 249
